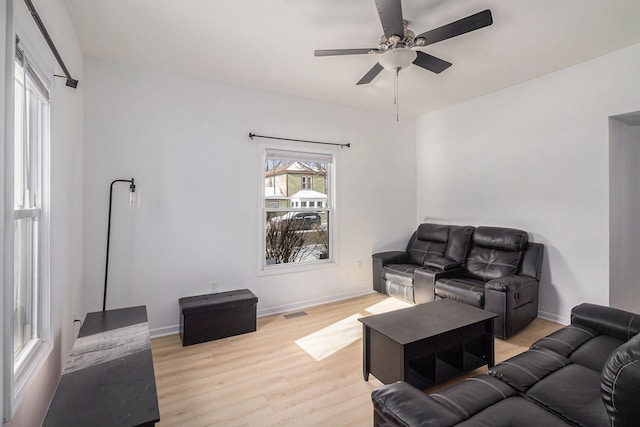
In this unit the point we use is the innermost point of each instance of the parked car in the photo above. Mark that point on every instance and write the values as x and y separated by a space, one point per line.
307 220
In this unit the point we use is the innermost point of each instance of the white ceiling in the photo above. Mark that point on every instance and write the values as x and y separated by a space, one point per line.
269 44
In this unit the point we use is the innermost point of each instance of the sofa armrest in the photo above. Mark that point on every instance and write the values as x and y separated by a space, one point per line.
607 320
620 384
510 284
400 404
442 263
391 257
381 259
424 282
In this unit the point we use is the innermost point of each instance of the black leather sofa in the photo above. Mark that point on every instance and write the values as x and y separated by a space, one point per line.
494 268
586 374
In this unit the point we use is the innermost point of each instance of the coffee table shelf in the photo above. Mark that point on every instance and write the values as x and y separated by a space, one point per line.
427 344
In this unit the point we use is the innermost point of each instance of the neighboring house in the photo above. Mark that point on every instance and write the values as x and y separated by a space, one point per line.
274 198
308 199
295 182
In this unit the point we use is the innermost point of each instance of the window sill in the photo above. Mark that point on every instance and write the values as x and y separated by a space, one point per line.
29 371
273 270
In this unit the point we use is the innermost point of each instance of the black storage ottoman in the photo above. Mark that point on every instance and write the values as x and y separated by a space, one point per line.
213 316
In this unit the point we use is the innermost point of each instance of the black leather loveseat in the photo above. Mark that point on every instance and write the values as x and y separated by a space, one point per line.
586 374
494 268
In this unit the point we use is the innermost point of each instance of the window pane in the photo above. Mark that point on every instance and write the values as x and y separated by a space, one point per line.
25 276
19 170
295 237
285 178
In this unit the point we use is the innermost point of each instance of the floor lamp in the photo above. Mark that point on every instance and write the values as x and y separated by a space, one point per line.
132 202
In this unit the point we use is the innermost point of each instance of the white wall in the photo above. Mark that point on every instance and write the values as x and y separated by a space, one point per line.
66 203
185 141
624 215
535 156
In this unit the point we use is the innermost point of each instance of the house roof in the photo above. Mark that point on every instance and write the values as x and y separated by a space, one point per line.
269 45
273 193
308 194
295 167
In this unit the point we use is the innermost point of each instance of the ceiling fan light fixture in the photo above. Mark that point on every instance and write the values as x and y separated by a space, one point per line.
398 58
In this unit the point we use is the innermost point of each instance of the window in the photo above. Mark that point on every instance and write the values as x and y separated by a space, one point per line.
300 233
30 231
307 183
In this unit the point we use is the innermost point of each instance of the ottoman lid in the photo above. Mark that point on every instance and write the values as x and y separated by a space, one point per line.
209 302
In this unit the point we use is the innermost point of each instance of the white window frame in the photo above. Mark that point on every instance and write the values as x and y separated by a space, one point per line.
331 206
19 375
306 182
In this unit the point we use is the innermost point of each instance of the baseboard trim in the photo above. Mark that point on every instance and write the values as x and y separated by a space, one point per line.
313 302
167 330
553 317
269 311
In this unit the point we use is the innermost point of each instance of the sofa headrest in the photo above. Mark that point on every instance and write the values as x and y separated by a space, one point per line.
433 232
620 384
506 239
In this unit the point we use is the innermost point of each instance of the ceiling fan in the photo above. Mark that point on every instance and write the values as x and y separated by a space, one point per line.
398 45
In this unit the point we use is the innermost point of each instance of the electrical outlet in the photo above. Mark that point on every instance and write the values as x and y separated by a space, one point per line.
214 285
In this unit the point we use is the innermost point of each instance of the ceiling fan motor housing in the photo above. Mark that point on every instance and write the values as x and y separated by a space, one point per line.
395 41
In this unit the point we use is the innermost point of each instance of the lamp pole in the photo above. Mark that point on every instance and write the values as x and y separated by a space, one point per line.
132 199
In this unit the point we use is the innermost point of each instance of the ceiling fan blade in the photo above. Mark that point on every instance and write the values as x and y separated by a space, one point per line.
332 52
431 63
371 74
461 26
390 12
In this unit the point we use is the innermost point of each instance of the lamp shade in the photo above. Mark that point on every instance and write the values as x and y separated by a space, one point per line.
399 58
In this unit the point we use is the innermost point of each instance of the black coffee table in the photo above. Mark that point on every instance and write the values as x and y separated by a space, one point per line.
427 344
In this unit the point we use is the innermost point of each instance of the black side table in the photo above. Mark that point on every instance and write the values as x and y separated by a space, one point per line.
108 379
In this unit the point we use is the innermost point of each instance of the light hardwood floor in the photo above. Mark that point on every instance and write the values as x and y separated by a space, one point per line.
264 379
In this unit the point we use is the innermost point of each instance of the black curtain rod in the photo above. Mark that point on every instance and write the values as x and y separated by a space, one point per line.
71 82
253 135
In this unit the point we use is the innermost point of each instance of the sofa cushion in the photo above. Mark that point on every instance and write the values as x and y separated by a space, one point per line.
422 250
514 411
433 232
473 395
402 274
566 340
429 240
572 393
468 291
487 264
400 404
459 242
594 353
506 239
526 369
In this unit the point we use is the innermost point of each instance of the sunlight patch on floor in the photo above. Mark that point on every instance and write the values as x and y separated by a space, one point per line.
389 304
327 341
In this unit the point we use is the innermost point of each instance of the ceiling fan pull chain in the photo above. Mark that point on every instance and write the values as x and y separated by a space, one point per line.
395 95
